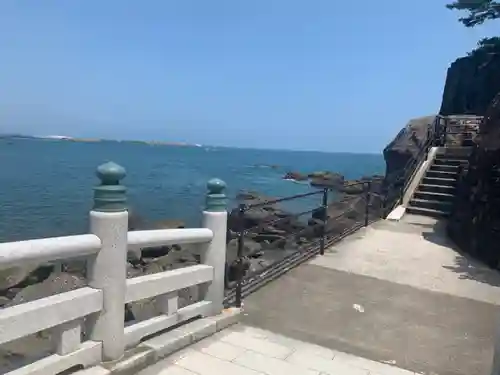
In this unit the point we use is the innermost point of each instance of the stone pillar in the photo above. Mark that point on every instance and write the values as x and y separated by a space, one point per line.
215 219
107 270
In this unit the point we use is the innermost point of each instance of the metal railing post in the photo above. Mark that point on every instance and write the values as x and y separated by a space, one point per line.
367 201
324 208
444 133
239 260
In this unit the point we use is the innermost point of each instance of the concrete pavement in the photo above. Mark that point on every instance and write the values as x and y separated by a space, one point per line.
395 292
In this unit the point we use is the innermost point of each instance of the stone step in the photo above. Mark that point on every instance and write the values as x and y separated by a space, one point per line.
441 174
453 155
426 212
436 188
451 162
433 195
432 204
444 168
439 181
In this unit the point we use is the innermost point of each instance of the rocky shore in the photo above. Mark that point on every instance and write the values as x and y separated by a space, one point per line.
273 232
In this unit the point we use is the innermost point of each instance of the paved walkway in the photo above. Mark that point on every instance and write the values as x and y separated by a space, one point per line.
393 296
396 292
243 350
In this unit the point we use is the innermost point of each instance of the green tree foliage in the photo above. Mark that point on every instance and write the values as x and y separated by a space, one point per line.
478 11
487 46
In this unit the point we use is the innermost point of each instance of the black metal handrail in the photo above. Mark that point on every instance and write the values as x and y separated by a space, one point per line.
412 165
246 283
437 135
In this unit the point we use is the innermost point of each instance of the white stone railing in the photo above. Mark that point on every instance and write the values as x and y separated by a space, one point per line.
87 324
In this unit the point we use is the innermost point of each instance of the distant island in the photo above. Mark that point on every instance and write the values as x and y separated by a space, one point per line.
90 140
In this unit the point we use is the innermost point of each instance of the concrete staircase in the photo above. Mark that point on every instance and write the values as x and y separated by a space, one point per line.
436 191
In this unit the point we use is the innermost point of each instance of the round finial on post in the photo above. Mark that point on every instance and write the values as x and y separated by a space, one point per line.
216 197
110 195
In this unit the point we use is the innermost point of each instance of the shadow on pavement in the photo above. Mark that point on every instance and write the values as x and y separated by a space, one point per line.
465 265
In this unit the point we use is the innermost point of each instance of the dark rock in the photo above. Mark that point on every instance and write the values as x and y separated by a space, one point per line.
474 224
318 174
11 277
327 179
174 260
473 87
403 149
269 229
133 270
252 197
159 251
473 81
268 237
56 283
295 176
169 224
353 188
153 252
11 293
256 216
232 271
258 265
249 247
75 266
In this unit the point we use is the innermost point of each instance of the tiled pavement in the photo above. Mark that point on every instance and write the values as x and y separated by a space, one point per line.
244 350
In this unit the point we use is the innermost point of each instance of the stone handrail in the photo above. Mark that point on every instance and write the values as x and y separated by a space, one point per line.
163 237
87 324
47 249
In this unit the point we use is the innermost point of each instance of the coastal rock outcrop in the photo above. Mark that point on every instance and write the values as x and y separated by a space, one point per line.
473 81
326 179
401 151
296 176
473 87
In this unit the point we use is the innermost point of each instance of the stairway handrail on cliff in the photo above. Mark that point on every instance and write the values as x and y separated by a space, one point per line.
459 125
96 312
411 167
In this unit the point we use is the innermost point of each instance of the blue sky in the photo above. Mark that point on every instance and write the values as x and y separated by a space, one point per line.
314 75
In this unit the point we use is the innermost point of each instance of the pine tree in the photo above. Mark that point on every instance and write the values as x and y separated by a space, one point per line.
478 11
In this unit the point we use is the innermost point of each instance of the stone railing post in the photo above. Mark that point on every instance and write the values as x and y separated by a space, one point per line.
107 270
215 219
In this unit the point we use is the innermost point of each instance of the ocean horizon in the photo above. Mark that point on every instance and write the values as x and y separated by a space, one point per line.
47 184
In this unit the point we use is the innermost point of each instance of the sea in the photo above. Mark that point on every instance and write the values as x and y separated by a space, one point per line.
46 186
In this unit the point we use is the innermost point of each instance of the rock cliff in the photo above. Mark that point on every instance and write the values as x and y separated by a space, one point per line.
472 81
475 223
473 87
403 149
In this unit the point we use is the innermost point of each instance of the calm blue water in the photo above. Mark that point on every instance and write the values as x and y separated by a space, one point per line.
46 186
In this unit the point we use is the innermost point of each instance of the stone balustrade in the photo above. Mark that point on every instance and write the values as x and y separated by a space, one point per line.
88 323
